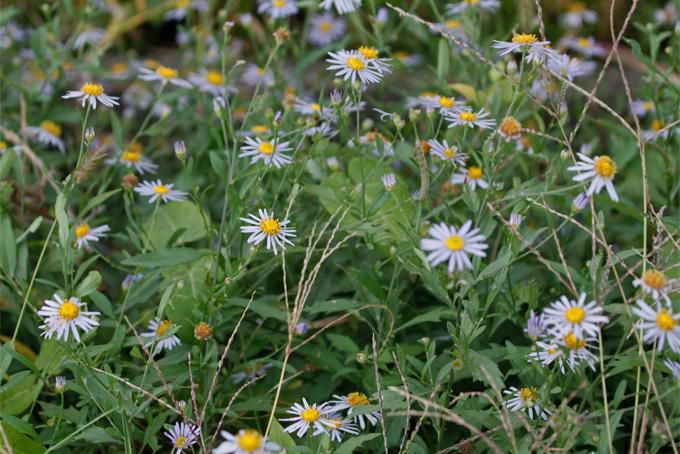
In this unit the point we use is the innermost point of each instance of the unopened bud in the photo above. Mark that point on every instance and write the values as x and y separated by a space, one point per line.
564 155
281 35
181 151
89 135
228 25
362 358
130 181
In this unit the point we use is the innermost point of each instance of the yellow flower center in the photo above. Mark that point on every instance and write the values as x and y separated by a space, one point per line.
371 53
315 107
471 2
572 342
270 226
605 166
266 148
161 189
119 68
657 125
310 415
259 129
575 314
82 230
449 153
664 320
475 173
584 42
551 350
163 327
131 156
453 24
446 102
279 3
249 440
576 7
356 63
91 89
647 105
455 242
527 394
357 398
510 126
182 4
326 26
468 116
166 73
69 310
51 127
654 279
335 423
180 441
3 145
524 38
215 78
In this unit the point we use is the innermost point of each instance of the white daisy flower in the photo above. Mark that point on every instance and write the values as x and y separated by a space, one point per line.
536 325
547 354
251 372
156 332
253 75
64 317
271 152
389 181
182 435
601 170
566 315
454 245
466 117
515 220
443 103
654 283
641 108
525 399
453 27
48 134
133 158
658 325
567 67
119 70
312 108
666 15
90 37
341 6
586 46
524 42
470 175
578 14
277 9
351 65
406 59
578 349
164 75
266 226
246 441
446 152
657 130
130 279
158 190
326 29
85 234
371 55
184 6
484 5
673 366
324 129
336 426
524 144
350 402
307 416
211 82
91 93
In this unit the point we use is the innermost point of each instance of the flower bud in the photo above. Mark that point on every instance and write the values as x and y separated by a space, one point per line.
89 135
181 151
203 331
130 181
281 35
362 358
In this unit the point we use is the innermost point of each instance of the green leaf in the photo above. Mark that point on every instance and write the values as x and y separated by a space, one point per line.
485 369
443 53
172 218
31 229
6 162
353 443
62 220
18 393
89 284
98 200
51 357
8 251
19 443
166 257
280 437
434 315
